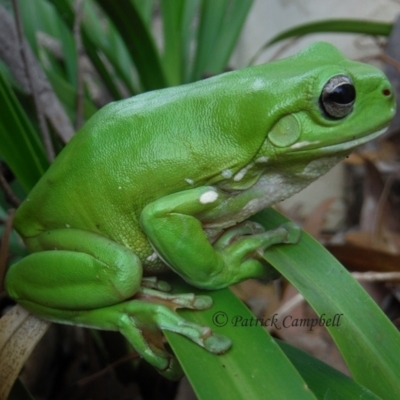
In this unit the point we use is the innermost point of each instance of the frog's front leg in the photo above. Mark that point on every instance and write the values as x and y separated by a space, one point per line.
174 227
86 279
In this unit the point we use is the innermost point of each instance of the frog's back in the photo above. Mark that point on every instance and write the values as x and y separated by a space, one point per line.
130 153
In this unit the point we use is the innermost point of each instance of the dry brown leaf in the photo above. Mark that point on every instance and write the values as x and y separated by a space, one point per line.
373 188
386 241
314 223
358 158
389 150
365 259
260 297
19 334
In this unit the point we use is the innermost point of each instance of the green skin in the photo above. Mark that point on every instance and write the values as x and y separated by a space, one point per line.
167 180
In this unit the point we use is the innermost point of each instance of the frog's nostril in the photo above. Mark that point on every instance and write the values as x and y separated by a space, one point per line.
386 92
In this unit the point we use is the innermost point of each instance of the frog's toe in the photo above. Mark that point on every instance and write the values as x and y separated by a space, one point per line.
217 344
174 370
293 232
142 320
202 302
153 282
174 301
244 229
190 300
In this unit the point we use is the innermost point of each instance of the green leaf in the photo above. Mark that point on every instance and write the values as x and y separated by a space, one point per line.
138 40
211 18
325 381
254 366
220 25
173 13
105 74
105 38
230 30
145 9
64 9
40 16
20 147
67 95
368 341
332 25
188 38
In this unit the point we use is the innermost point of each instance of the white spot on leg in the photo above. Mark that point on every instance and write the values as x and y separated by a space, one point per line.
240 175
208 197
262 160
258 84
189 181
306 143
152 257
227 173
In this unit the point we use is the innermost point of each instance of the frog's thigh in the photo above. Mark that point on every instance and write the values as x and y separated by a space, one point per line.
78 270
174 230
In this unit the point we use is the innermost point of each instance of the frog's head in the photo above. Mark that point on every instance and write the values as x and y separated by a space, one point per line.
336 104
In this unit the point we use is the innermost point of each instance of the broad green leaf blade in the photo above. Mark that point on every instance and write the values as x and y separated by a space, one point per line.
105 38
145 9
188 37
220 25
211 18
173 13
20 147
64 9
138 41
106 76
332 25
230 30
368 341
323 380
254 365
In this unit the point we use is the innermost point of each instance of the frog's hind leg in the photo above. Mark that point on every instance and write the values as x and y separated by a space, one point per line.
75 270
141 323
86 279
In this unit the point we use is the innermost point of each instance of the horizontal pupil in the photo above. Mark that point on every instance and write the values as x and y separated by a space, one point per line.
343 94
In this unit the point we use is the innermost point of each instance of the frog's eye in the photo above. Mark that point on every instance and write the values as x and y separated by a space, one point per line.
337 97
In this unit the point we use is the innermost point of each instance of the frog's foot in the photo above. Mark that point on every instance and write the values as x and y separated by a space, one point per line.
141 323
242 249
232 234
288 233
174 301
250 237
200 258
293 232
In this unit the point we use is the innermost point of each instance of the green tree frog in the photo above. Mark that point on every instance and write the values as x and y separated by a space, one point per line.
167 180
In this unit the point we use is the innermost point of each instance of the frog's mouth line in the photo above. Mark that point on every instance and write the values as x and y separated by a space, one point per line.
344 147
